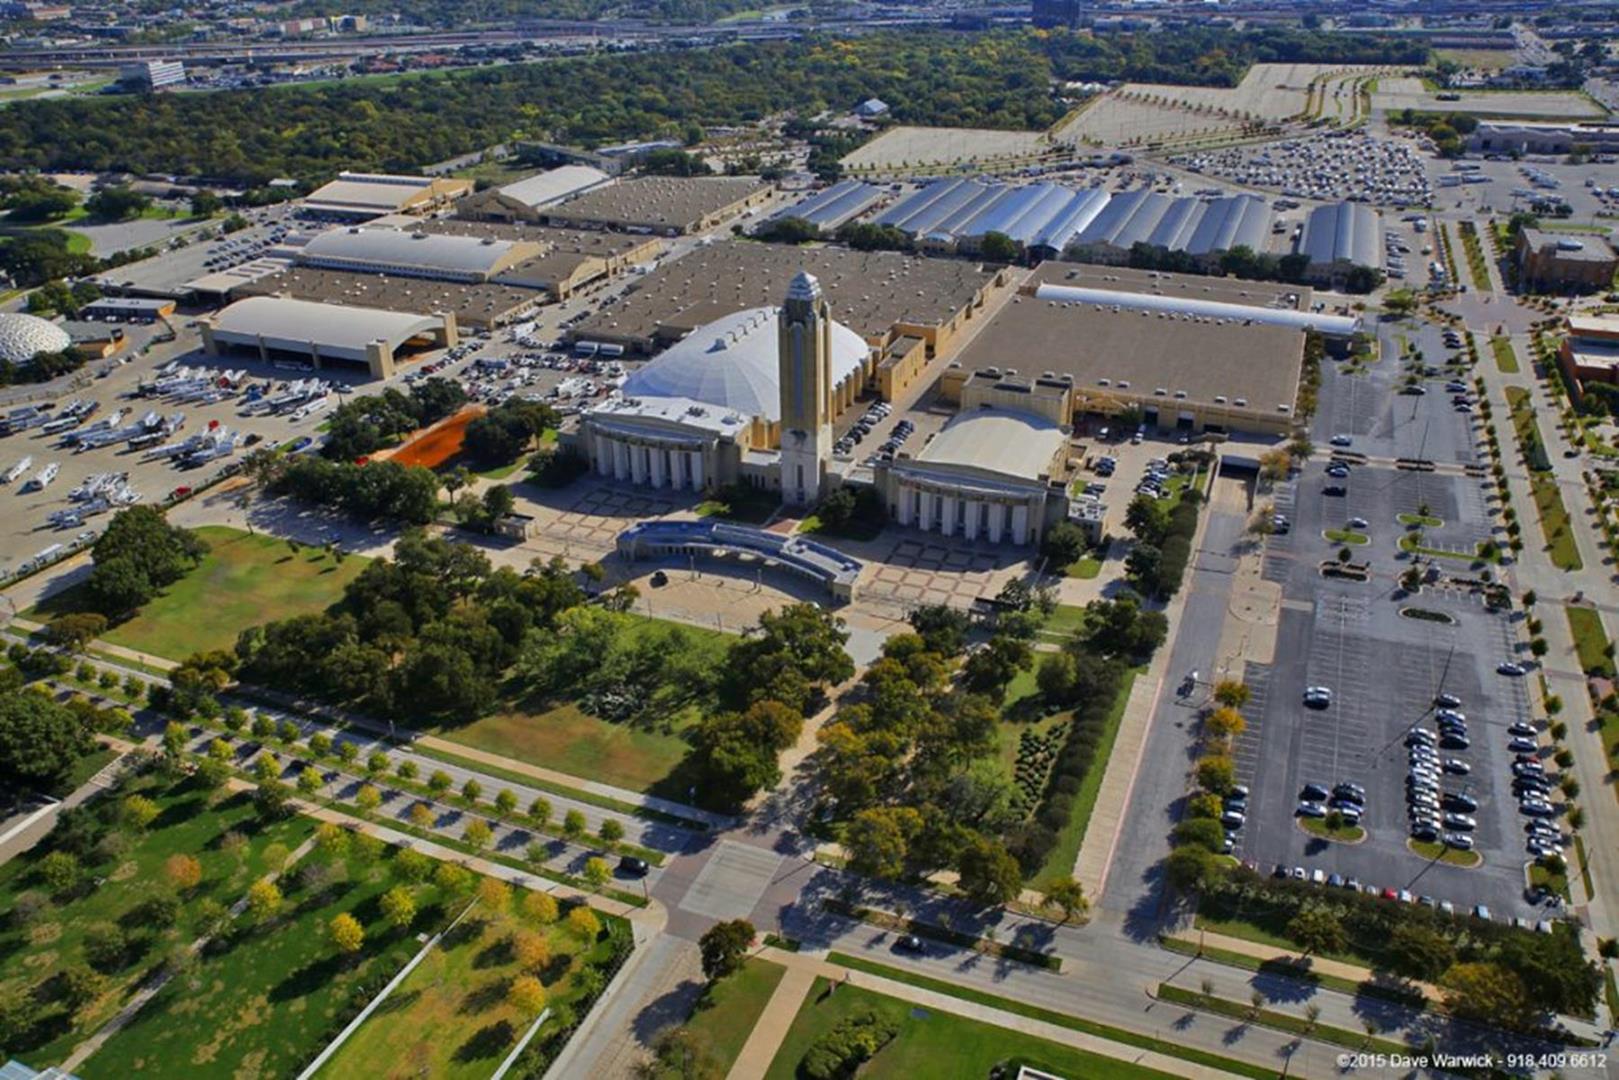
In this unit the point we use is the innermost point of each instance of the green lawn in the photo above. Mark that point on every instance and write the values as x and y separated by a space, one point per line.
1060 862
1506 359
1346 834
1086 566
450 1017
1346 536
1064 622
934 1044
84 769
1425 521
558 734
737 503
570 741
129 868
1050 1016
729 1009
263 1000
244 580
1554 523
1590 641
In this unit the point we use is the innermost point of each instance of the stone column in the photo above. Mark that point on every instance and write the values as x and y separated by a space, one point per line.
1020 523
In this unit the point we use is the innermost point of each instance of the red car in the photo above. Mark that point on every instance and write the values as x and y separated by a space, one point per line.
1390 894
180 492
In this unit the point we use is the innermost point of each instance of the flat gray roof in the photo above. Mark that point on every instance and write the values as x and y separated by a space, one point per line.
868 291
668 202
478 302
1201 357
1593 248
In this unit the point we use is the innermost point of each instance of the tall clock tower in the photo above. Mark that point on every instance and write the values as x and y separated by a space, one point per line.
805 359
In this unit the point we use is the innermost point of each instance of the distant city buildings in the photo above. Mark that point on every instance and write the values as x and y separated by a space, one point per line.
145 76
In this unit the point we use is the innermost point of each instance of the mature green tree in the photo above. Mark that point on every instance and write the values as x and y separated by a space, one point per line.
878 840
40 742
116 204
724 946
989 873
1317 930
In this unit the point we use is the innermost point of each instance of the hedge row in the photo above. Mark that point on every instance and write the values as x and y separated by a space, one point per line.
1033 841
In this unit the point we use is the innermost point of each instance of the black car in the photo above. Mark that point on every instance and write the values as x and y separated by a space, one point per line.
1313 793
630 866
1451 740
908 943
659 579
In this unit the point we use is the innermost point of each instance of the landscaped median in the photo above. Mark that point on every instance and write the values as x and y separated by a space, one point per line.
1295 1025
1435 852
1506 358
1339 832
1590 641
1554 519
1051 1016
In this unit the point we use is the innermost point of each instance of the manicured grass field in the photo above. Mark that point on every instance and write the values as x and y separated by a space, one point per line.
570 741
1506 358
264 999
450 1017
245 579
558 735
1590 640
729 1010
933 1043
130 871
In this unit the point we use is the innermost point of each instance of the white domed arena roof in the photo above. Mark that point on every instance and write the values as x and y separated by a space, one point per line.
731 363
24 336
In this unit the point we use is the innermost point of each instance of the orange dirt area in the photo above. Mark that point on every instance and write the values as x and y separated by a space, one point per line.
439 443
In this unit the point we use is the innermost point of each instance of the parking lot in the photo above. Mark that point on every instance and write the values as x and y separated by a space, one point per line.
1324 166
1385 670
1384 423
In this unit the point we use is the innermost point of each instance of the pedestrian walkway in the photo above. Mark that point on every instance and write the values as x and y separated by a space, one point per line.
1319 965
766 1037
758 1052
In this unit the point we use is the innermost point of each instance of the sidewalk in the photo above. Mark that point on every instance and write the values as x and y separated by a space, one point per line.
765 1040
762 1046
1317 964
